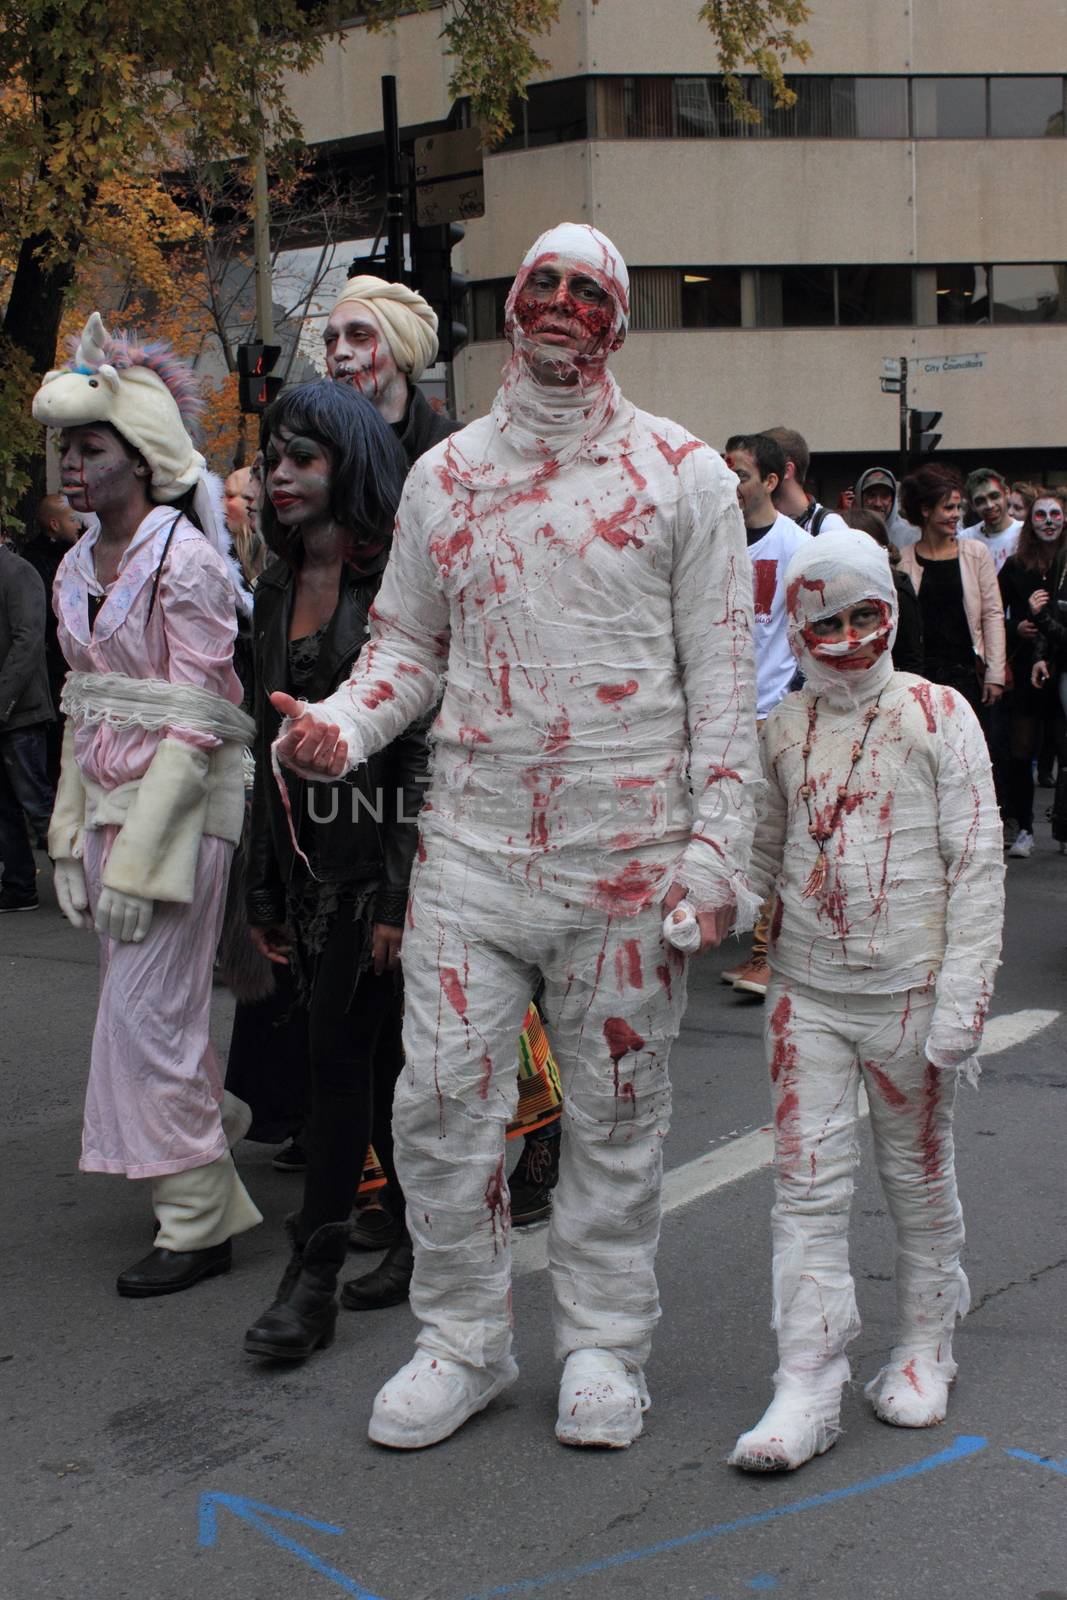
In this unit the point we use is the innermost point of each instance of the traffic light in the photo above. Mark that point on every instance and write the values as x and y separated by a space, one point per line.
256 384
367 267
922 441
443 289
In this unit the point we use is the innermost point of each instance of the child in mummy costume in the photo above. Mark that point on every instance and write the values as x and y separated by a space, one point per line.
151 793
575 571
879 833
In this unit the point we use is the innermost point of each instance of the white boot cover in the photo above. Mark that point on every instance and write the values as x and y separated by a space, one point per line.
202 1206
236 1118
911 1391
803 1420
427 1400
602 1400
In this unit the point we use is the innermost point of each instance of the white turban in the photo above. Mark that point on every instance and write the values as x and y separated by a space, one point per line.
828 575
145 392
409 324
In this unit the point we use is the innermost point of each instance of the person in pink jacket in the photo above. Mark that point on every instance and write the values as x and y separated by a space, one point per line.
151 795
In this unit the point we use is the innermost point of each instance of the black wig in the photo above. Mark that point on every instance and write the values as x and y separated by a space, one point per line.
369 465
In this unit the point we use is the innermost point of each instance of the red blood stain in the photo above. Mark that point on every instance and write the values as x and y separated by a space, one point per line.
630 890
834 907
420 848
672 457
784 1054
453 991
621 1039
446 480
499 1202
640 482
924 697
663 973
634 783
764 583
628 965
446 551
816 585
505 688
721 774
409 669
609 694
885 810
908 1372
486 1077
613 530
557 735
379 694
890 1093
472 736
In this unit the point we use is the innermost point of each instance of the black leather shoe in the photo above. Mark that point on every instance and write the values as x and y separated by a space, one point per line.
374 1228
303 1315
168 1271
386 1285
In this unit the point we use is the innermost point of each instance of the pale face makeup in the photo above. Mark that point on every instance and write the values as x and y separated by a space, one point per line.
98 473
1047 518
297 477
852 628
357 352
564 309
990 502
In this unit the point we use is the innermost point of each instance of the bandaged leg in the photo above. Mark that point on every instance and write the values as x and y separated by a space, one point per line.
814 1086
202 1206
911 1119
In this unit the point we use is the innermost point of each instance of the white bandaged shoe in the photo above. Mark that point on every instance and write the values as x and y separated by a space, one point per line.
912 1390
802 1421
431 1397
602 1401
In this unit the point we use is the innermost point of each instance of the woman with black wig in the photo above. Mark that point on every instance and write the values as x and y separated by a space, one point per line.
329 863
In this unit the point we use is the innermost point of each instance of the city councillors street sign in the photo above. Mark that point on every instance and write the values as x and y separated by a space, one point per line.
974 361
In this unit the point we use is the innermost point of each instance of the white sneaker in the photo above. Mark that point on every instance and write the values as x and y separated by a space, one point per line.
1022 845
602 1401
431 1397
803 1420
912 1391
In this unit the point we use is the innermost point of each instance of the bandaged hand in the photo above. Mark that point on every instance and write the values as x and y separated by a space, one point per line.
308 747
949 1048
69 879
125 917
712 926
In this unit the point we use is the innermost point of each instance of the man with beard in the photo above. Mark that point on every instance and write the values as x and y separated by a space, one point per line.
574 570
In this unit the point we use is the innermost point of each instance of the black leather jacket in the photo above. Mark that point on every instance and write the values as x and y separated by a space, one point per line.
353 847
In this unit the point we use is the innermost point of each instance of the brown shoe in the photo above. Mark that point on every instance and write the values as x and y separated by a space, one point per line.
753 977
731 975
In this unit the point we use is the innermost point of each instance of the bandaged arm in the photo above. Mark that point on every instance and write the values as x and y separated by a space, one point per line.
398 674
772 816
971 842
68 813
712 612
155 852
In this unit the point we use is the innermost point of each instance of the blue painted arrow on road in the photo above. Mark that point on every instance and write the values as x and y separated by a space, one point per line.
256 1513
1041 1461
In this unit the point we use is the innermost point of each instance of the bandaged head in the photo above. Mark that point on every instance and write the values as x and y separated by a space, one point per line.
571 248
144 391
407 322
828 576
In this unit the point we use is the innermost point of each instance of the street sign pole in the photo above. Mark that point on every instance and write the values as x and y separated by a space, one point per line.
394 190
903 465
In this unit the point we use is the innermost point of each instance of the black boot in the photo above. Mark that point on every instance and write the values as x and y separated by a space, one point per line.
304 1312
386 1285
170 1271
1058 812
536 1175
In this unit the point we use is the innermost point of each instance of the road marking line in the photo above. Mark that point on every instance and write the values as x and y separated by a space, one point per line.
727 1164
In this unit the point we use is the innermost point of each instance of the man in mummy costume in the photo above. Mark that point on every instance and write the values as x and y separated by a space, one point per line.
880 835
151 793
575 571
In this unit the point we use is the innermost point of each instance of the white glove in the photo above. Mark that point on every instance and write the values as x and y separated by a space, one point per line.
681 929
125 917
68 877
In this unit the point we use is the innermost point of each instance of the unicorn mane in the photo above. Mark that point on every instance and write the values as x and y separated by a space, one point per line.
123 350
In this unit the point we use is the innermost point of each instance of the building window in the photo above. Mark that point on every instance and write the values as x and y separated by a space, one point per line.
711 297
1026 108
948 108
552 113
486 314
1029 293
875 297
962 294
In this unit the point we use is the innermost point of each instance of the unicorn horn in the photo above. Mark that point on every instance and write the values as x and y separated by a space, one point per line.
91 351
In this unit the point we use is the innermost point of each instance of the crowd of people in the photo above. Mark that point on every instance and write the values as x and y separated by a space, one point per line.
448 747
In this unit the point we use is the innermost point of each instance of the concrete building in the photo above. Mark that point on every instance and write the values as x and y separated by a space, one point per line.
910 204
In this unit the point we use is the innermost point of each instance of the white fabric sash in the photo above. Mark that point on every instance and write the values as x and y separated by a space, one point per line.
122 702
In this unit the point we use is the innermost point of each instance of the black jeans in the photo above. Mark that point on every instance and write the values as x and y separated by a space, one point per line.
355 1060
25 795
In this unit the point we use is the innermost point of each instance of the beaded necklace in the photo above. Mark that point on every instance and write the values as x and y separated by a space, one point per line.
824 832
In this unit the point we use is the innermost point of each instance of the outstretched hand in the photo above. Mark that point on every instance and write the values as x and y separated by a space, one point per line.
309 747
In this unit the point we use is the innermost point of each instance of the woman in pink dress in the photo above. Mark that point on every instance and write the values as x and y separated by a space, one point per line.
151 796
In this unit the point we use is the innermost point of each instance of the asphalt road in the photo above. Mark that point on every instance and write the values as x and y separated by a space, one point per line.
139 1440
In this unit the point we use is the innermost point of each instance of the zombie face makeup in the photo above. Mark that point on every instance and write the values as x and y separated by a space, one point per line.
1047 518
357 352
990 502
842 607
565 308
100 473
852 638
569 305
298 472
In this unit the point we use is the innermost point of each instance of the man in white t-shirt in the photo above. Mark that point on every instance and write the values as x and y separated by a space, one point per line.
791 496
760 464
987 492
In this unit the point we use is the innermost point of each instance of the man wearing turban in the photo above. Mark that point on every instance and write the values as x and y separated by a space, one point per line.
572 572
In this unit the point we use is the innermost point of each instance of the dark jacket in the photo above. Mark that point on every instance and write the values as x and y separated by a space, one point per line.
24 696
422 426
908 653
354 847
